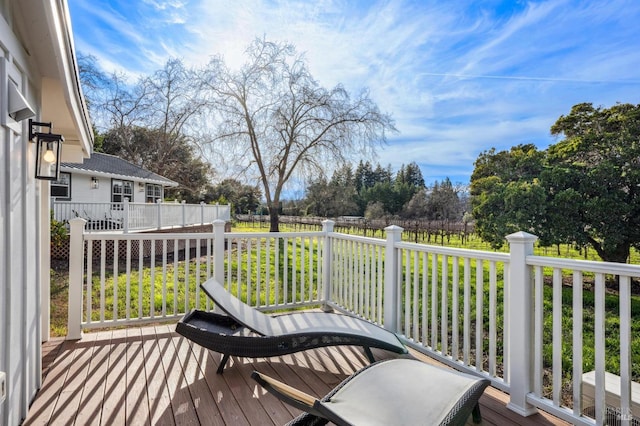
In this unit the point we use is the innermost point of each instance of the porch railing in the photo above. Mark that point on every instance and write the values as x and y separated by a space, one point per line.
515 318
129 216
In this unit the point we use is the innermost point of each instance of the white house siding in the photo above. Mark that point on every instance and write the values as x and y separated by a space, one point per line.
81 190
20 332
24 201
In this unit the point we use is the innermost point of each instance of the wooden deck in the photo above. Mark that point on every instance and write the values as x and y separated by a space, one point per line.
153 376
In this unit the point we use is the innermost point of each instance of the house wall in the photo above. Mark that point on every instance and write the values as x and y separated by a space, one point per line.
82 191
20 236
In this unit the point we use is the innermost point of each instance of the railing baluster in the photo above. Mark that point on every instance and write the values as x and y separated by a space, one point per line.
455 280
140 275
425 298
285 252
302 269
164 278
578 312
115 279
416 296
434 301
493 318
466 345
343 277
152 285
557 335
239 268
259 243
538 330
90 294
209 271
198 278
294 264
315 252
268 282
479 314
406 306
444 314
249 273
276 271
625 349
103 256
175 278
128 288
600 347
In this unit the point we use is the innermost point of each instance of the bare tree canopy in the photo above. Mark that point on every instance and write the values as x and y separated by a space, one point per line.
276 118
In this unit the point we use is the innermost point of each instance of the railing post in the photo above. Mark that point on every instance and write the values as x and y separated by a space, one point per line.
76 262
327 228
159 203
391 312
218 250
125 219
202 213
520 319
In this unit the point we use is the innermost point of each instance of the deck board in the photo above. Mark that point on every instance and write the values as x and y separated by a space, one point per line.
153 376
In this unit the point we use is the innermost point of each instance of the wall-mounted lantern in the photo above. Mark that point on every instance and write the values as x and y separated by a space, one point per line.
48 150
95 182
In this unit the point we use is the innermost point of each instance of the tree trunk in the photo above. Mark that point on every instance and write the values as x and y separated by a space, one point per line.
274 220
619 254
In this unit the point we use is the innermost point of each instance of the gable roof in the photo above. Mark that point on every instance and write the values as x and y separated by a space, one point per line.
111 166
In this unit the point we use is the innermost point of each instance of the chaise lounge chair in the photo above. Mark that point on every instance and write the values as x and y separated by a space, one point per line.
395 392
247 332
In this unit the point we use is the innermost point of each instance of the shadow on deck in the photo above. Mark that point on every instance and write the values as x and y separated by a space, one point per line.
152 375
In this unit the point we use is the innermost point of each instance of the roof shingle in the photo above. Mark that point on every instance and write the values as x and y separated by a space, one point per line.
110 164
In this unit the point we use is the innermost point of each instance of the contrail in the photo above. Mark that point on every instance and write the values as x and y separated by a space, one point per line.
525 78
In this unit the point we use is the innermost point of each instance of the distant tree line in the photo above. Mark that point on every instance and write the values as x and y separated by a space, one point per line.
375 192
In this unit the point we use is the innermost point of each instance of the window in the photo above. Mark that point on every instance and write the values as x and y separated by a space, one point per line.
154 192
121 190
61 188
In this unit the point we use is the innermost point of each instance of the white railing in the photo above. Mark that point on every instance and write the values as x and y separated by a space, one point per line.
128 216
499 315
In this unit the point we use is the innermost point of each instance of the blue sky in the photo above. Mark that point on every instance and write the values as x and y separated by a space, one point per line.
459 77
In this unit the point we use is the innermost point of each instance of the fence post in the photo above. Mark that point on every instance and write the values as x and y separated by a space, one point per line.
125 218
202 213
76 262
520 313
159 203
327 255
391 312
184 213
218 250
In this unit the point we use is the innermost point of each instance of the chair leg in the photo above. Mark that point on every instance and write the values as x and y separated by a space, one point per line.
477 417
367 351
225 358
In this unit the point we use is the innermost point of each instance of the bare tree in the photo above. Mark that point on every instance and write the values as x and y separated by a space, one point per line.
152 122
280 122
173 108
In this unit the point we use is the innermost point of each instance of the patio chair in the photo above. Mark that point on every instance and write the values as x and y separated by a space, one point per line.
247 332
396 392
